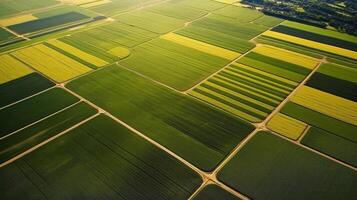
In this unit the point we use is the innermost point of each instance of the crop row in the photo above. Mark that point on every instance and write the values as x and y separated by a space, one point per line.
245 91
184 125
99 159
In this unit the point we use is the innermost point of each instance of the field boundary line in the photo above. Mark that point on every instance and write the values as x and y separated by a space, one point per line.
40 120
204 175
233 61
47 141
23 99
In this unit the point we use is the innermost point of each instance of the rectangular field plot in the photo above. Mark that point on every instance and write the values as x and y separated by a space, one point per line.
244 91
17 19
113 35
321 121
288 56
312 44
268 21
335 146
239 13
201 46
51 63
214 192
223 32
100 159
207 5
317 34
22 87
195 131
84 56
45 23
5 36
23 140
179 11
33 109
10 7
151 21
173 64
344 80
11 69
269 167
287 126
328 104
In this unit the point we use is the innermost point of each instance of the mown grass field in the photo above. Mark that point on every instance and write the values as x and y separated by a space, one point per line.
177 99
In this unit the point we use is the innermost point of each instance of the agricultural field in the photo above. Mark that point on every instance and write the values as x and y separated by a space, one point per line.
174 64
174 100
185 126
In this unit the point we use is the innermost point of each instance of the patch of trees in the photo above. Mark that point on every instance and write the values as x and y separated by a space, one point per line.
339 14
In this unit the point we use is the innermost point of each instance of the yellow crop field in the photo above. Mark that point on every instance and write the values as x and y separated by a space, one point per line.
96 3
287 126
227 1
288 56
11 69
79 2
120 52
78 53
51 63
327 104
312 44
17 19
201 46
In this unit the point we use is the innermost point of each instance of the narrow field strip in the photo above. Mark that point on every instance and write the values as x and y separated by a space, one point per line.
287 126
51 63
11 69
327 104
17 20
288 56
201 46
78 53
312 44
96 3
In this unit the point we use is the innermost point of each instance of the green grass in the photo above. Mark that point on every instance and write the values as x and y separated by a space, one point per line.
207 5
117 6
37 133
91 49
10 7
275 66
330 144
223 32
5 35
195 131
34 109
339 71
102 160
269 167
173 64
268 21
151 21
64 9
213 192
179 11
321 121
113 35
239 13
23 87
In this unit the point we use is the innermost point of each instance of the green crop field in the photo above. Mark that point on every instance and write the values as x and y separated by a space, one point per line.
178 100
171 119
